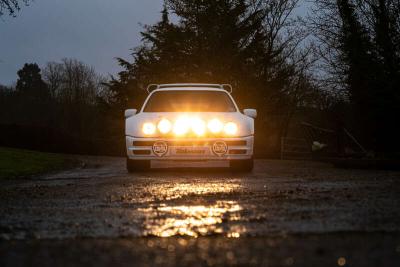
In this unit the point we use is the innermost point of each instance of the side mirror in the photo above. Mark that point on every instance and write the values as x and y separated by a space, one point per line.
130 113
252 113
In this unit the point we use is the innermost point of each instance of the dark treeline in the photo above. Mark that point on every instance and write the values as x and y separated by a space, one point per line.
359 51
338 68
62 108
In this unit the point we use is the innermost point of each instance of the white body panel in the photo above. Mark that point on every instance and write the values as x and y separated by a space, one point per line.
137 141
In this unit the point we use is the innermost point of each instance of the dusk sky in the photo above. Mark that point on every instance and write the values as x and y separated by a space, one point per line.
93 31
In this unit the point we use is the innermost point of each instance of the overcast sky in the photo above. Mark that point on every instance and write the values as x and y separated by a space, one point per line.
93 31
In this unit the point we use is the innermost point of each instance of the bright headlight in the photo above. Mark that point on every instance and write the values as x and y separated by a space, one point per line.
181 126
148 128
198 126
230 128
215 126
164 126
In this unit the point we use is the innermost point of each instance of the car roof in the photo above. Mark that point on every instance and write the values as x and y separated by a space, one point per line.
189 87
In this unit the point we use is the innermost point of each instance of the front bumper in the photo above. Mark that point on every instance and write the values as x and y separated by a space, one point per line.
190 149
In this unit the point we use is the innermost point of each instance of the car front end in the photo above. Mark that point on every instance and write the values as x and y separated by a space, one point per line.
189 134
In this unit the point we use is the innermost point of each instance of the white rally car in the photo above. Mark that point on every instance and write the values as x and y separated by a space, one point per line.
190 122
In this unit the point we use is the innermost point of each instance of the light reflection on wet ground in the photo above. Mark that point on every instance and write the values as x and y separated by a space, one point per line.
170 191
172 218
196 220
159 189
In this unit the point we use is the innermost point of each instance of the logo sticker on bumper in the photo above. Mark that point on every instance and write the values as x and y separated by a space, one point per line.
219 148
160 148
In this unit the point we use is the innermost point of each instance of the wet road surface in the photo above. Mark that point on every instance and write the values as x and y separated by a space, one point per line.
284 213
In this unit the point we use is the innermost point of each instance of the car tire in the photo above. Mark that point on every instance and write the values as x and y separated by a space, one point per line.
137 165
243 165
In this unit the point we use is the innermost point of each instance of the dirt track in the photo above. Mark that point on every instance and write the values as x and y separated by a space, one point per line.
284 213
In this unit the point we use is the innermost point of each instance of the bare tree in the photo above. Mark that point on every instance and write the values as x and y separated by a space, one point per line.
53 74
72 81
11 6
283 68
325 24
380 19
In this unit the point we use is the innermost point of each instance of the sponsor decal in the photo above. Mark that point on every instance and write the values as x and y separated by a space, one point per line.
219 148
195 151
160 148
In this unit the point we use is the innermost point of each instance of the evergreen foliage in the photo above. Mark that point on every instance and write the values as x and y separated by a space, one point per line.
257 46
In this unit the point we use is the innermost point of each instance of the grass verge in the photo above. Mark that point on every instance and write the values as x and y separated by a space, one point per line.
22 163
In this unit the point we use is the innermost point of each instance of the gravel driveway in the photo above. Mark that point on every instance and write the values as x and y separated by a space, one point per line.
285 213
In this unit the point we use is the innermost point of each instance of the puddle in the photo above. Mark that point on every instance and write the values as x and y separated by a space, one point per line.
198 217
193 220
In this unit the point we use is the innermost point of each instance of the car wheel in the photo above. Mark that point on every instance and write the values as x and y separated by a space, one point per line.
137 165
244 165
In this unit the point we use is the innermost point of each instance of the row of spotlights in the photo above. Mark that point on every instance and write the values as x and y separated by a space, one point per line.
184 124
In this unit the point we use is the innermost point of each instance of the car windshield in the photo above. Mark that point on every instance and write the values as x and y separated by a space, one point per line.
189 101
